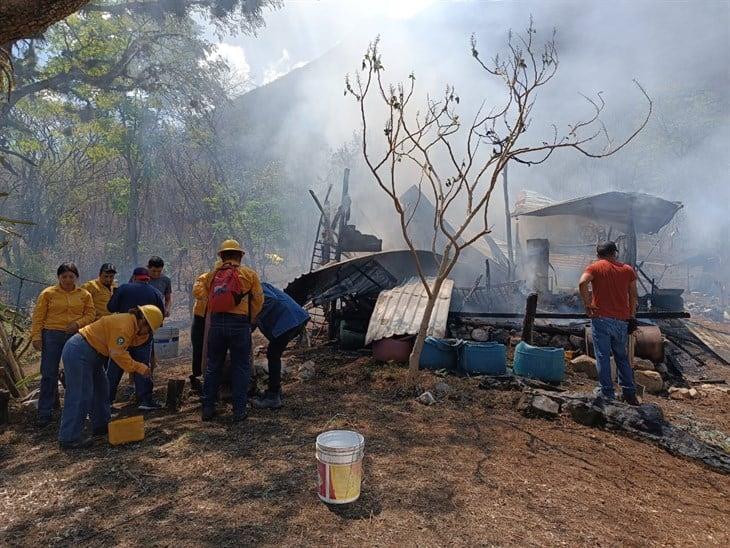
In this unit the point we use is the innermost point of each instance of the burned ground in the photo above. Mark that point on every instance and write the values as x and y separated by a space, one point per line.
468 470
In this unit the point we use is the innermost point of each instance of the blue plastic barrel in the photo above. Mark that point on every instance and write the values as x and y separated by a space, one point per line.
545 364
439 354
483 358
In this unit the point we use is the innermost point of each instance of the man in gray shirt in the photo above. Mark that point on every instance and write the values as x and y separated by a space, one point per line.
161 283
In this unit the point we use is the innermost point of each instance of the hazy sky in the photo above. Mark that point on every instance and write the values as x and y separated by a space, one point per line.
676 49
683 33
302 30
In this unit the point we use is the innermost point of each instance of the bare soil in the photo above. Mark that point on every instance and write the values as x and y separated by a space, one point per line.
468 470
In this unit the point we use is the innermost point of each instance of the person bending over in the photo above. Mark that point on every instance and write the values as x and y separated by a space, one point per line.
281 320
84 357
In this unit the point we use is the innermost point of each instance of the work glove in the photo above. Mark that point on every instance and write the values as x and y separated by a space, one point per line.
633 325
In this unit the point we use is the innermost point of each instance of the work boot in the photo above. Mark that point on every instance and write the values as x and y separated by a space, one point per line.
43 421
631 399
151 405
100 431
269 400
195 385
82 443
207 414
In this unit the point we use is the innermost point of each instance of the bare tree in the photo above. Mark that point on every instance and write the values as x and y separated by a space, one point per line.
459 164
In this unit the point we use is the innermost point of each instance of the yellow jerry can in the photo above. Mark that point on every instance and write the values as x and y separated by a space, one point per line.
126 430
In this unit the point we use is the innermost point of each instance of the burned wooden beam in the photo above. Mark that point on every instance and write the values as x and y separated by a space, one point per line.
529 321
567 315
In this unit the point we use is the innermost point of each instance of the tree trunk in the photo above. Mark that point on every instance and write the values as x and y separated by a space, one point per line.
423 331
132 243
25 19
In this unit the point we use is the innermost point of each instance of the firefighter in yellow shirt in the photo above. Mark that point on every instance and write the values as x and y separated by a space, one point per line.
102 288
84 357
197 334
234 298
60 311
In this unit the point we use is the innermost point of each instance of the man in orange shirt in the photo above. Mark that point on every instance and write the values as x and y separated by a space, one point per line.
612 309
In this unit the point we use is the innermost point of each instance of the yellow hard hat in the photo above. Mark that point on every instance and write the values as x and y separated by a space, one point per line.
153 315
230 245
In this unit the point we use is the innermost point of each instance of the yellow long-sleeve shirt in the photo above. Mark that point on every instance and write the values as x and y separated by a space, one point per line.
56 308
200 302
112 335
250 284
100 294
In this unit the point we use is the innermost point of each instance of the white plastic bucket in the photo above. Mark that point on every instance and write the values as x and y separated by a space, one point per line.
339 465
167 343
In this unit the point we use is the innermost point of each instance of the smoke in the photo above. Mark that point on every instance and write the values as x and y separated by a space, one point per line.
678 51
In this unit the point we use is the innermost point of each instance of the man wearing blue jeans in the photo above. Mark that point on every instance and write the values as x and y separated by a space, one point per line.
612 309
136 293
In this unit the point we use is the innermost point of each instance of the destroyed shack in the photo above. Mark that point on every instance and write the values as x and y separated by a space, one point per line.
361 295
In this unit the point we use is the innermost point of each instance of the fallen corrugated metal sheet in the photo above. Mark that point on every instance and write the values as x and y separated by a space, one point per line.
716 340
368 278
367 274
399 311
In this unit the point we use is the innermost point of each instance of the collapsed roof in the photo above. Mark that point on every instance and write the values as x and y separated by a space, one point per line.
421 214
362 276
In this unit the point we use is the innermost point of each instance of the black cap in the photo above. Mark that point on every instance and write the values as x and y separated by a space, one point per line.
141 272
107 267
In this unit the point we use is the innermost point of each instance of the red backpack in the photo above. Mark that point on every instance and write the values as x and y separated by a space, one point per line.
226 291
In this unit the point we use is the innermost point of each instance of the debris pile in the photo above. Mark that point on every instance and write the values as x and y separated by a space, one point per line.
645 422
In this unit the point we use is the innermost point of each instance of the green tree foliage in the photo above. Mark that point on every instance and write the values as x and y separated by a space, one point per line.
111 146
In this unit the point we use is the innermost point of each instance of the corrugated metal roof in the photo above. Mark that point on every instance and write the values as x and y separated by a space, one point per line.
399 311
648 213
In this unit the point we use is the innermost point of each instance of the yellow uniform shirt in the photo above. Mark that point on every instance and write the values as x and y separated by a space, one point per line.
112 335
200 303
56 308
101 295
250 284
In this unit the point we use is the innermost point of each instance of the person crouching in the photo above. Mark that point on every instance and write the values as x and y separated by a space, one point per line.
84 357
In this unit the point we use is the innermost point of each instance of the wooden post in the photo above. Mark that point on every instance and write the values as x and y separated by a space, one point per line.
344 212
4 407
529 321
174 394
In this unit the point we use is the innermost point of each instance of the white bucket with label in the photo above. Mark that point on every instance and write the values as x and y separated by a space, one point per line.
167 343
339 465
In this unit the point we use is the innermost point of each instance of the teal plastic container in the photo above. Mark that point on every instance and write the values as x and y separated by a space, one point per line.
439 354
545 364
483 358
350 339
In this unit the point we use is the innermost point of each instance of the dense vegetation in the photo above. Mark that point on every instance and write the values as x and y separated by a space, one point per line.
113 144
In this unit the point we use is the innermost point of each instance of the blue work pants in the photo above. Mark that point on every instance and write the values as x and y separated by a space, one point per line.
142 385
52 342
87 389
228 332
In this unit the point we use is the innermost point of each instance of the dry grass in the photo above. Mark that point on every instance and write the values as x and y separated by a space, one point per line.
466 471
